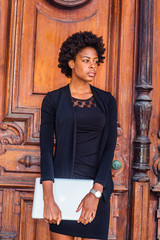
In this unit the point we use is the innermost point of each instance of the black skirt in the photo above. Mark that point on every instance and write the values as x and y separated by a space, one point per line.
97 229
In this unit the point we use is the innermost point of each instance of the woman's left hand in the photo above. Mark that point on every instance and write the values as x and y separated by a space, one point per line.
89 206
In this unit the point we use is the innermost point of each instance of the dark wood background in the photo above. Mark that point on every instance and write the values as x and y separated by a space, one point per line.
31 34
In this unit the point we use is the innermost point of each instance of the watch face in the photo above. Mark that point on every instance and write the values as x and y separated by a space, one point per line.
98 194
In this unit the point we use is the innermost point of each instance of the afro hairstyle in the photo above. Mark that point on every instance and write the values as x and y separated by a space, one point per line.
76 42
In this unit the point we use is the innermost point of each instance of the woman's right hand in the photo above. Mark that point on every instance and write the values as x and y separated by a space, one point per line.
52 213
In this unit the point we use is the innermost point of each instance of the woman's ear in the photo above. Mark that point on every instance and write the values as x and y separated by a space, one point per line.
71 64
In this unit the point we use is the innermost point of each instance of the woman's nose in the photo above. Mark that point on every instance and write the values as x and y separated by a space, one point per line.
92 65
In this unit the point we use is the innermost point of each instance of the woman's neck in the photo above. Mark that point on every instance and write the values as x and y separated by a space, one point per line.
80 90
80 87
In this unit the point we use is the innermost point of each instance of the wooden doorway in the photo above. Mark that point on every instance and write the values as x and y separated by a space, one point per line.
32 32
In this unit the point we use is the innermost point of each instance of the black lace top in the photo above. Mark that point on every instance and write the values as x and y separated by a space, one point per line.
90 121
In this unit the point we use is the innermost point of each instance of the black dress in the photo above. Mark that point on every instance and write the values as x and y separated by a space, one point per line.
90 122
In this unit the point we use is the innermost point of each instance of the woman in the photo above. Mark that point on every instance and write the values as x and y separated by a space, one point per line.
84 121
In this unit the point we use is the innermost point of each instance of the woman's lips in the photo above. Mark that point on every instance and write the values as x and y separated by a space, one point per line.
91 74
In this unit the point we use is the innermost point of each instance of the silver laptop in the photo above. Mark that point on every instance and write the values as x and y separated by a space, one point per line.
68 194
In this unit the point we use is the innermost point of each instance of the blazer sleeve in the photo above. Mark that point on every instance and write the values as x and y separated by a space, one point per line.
47 138
108 154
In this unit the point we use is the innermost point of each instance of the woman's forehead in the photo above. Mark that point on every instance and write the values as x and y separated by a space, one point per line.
88 52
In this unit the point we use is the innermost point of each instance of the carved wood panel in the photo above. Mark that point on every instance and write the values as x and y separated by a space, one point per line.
33 33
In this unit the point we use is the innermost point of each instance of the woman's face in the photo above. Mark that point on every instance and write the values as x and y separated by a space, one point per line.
85 65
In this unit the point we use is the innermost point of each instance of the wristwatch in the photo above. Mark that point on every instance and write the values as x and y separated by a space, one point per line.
97 194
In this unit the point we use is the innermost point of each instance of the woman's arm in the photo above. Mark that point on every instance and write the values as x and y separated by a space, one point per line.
89 206
47 138
108 154
52 213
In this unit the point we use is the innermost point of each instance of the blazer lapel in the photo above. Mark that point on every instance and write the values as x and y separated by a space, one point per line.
70 105
66 126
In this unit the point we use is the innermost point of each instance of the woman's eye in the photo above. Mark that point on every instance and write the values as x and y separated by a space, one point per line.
85 60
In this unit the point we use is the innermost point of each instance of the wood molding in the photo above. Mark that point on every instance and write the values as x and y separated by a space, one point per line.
143 106
64 15
143 109
140 204
69 4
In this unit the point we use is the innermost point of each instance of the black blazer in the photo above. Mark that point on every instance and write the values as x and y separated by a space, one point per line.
58 117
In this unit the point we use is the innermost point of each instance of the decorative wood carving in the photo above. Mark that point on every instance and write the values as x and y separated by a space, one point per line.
156 164
29 161
10 134
143 108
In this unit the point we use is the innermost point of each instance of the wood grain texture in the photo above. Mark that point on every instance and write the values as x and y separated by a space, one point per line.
32 32
140 206
27 224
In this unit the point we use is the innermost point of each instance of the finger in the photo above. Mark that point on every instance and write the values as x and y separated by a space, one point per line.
53 221
45 220
86 218
93 216
81 216
89 218
59 218
48 220
58 221
80 206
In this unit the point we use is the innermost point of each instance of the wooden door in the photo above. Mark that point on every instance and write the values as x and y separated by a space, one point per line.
31 35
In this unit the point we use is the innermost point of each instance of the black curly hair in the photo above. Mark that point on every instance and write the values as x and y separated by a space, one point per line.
73 44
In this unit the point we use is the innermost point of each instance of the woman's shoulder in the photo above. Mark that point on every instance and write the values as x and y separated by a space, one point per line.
57 91
53 95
